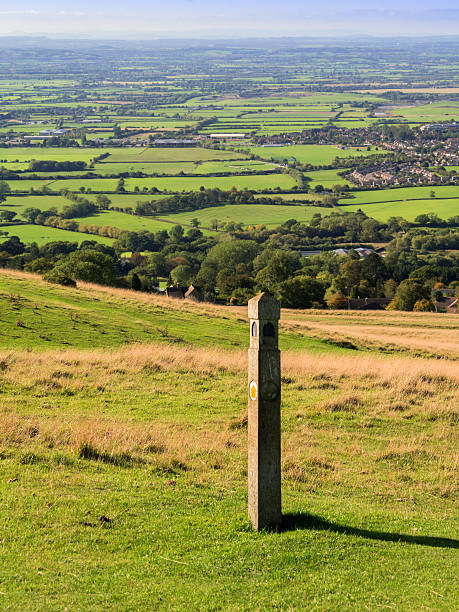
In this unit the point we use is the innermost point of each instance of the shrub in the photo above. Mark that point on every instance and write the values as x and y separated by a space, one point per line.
59 277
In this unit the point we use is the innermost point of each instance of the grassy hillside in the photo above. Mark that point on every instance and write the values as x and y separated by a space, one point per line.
36 314
123 457
41 234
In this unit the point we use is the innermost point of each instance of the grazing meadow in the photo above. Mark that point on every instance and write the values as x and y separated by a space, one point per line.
118 434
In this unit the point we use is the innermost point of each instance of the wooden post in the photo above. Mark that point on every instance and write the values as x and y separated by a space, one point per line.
264 436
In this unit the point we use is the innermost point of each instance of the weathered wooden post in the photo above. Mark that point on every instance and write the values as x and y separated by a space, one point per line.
264 440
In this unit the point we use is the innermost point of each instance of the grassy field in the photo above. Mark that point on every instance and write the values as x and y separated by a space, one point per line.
123 458
174 184
250 214
317 155
326 178
407 202
41 235
401 194
409 210
19 203
164 154
134 223
177 184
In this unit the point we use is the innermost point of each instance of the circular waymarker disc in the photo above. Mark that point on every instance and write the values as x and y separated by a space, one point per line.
253 390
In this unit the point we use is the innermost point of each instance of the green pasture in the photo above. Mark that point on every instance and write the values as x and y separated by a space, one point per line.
295 196
26 154
41 235
317 155
174 168
96 184
172 154
428 113
110 321
132 223
186 183
19 203
250 214
402 193
172 184
326 178
408 209
123 471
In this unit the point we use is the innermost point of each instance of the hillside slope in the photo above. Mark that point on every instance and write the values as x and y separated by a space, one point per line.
123 465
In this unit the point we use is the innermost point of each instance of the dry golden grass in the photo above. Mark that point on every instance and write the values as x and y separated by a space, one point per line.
428 340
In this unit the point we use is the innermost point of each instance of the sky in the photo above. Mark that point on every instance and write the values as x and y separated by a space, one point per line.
221 18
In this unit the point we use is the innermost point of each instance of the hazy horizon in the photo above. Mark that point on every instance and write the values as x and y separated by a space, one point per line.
202 18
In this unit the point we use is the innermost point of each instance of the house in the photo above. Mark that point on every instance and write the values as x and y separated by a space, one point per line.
446 304
177 293
453 307
194 293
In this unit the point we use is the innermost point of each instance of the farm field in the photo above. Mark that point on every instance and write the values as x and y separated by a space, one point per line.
45 202
26 154
124 439
426 113
317 155
326 178
401 194
186 183
132 223
173 184
28 233
294 196
409 210
206 167
250 214
174 154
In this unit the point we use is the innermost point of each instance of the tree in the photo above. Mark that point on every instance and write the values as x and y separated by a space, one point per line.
195 222
407 294
336 300
300 292
182 275
89 266
176 233
135 283
424 306
280 265
4 188
59 277
7 215
103 202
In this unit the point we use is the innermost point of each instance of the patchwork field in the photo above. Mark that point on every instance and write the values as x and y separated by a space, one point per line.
28 233
123 457
409 210
317 155
250 214
406 202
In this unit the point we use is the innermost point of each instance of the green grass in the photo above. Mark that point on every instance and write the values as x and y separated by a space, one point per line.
409 210
403 193
123 473
317 155
266 181
133 223
250 214
41 235
164 154
112 320
26 154
326 178
19 203
175 184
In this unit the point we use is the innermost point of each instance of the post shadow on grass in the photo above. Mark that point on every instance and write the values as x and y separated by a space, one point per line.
302 520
